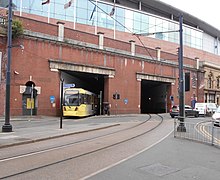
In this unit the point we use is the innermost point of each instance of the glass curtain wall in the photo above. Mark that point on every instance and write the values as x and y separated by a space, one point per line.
123 19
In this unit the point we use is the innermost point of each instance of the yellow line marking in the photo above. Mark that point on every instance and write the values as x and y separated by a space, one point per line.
201 129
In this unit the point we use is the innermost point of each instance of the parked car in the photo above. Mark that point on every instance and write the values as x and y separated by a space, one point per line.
189 111
206 109
216 117
211 108
174 111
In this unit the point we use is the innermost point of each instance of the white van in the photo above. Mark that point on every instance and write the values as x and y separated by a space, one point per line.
206 108
202 108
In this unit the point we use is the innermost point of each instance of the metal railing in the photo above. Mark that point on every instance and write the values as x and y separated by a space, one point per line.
204 132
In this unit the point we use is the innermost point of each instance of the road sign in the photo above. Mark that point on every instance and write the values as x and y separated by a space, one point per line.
52 99
69 85
126 101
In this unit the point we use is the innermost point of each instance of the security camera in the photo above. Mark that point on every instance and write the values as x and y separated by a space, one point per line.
16 72
22 47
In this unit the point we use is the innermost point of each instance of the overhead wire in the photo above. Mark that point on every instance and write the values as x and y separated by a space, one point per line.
147 49
135 34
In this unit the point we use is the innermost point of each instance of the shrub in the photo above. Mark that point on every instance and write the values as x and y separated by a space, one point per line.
17 28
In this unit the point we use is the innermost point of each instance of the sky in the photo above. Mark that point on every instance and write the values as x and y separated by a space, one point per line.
206 10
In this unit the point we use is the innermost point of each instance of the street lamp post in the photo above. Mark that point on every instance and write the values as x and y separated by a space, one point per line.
181 127
7 127
61 104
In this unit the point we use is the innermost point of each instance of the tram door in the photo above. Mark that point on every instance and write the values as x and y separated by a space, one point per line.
29 104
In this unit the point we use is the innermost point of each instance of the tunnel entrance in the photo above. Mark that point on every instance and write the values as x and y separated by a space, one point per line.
154 96
88 81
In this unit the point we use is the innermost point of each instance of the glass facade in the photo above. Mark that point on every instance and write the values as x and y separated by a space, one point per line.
124 19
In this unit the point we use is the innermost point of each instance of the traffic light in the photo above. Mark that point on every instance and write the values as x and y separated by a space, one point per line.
187 81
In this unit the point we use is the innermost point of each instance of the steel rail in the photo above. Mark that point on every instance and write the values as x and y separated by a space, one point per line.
82 154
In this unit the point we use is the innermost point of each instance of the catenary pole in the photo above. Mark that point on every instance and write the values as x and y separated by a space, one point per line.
181 127
7 127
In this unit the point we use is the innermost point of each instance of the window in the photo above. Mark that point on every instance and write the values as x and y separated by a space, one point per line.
127 20
152 28
137 23
144 23
187 36
71 100
173 37
209 82
194 80
120 17
2 19
206 95
165 29
158 25
159 35
208 43
83 12
217 82
104 20
211 98
140 23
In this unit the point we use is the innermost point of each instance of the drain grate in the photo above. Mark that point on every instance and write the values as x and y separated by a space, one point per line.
159 169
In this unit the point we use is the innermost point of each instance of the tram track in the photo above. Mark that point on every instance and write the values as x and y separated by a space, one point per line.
75 142
96 144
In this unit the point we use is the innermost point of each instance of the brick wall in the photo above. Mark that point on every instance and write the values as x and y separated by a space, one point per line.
32 64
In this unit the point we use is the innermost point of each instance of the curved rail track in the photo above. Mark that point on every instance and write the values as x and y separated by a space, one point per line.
96 144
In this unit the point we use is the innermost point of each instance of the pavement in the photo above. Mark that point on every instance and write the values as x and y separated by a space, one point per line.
170 159
27 129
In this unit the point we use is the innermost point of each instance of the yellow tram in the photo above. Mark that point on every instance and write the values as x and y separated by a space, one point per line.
79 102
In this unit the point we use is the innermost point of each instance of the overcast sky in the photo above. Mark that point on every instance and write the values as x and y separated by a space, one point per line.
208 11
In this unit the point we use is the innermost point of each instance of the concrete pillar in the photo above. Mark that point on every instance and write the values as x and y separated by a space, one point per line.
60 31
158 49
171 16
101 40
132 47
140 5
197 62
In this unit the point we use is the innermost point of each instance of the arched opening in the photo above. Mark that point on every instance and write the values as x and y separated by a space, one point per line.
29 99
